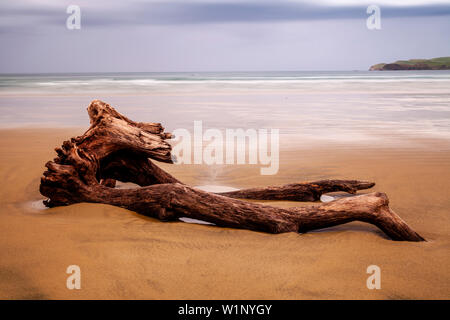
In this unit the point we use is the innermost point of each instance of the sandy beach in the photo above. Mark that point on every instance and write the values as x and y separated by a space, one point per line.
123 255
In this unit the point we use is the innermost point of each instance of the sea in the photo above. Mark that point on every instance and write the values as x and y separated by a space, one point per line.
322 105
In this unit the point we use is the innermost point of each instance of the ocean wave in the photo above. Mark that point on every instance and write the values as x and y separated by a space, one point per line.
132 82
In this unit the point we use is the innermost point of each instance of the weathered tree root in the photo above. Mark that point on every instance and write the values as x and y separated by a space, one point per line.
143 172
116 148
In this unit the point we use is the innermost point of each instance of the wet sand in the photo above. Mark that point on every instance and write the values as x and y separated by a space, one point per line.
123 255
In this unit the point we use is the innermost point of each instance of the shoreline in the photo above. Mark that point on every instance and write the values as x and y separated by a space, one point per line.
369 139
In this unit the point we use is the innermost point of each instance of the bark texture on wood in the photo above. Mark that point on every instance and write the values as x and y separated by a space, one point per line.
116 148
306 191
142 171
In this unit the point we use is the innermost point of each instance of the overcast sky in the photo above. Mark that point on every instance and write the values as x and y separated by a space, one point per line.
217 35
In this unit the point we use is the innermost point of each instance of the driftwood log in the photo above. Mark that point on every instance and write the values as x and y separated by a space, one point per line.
117 148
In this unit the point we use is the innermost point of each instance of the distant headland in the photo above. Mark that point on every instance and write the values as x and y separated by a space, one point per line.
442 63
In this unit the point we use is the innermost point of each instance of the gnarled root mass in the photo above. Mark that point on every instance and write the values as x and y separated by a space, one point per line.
117 148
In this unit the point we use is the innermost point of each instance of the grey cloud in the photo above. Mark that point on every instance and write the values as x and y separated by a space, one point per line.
169 13
173 13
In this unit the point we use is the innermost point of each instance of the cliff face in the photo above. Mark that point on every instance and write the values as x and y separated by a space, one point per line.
414 64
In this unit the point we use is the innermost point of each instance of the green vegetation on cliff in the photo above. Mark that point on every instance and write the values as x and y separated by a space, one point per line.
442 63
